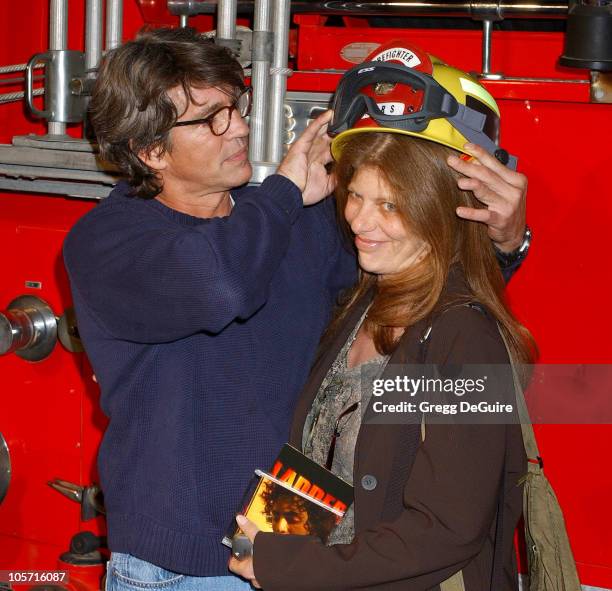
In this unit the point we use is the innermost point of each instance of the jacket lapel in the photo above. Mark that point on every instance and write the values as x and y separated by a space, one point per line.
326 355
387 450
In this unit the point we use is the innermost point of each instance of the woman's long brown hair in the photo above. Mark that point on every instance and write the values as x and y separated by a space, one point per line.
424 189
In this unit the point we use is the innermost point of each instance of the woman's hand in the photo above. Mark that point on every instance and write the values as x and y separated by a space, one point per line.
244 568
502 190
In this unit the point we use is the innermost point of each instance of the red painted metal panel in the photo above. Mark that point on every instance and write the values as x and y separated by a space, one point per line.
47 408
515 53
563 295
49 412
43 403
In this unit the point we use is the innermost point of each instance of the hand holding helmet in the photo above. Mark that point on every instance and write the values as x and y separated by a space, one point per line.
306 160
502 190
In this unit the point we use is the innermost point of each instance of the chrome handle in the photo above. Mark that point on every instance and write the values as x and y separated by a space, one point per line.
29 85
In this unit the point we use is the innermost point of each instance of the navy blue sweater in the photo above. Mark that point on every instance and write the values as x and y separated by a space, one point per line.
201 333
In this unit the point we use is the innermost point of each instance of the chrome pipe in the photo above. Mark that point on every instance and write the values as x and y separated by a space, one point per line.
183 21
58 40
58 24
94 30
278 80
505 8
260 76
226 19
433 8
114 23
93 33
487 27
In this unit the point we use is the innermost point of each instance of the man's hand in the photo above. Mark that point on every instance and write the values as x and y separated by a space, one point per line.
305 162
244 568
502 190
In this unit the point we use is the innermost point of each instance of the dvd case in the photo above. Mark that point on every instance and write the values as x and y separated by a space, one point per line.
297 496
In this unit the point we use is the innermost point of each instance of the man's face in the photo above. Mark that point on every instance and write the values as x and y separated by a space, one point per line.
198 162
289 518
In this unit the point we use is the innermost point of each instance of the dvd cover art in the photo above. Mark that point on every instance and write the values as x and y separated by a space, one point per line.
297 496
299 472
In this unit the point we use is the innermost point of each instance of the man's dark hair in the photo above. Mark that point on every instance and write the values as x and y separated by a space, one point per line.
130 109
319 522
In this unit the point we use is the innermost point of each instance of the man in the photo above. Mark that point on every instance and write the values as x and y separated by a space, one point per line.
201 309
290 513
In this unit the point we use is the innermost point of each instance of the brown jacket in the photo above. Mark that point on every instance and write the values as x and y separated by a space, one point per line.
423 509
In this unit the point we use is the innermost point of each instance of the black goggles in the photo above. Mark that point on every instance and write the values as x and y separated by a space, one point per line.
349 105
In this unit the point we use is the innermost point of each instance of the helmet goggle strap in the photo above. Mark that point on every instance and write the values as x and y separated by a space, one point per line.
470 123
350 105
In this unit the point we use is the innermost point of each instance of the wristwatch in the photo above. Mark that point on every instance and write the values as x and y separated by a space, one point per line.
517 255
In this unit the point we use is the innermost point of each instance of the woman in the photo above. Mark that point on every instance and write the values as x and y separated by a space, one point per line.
435 504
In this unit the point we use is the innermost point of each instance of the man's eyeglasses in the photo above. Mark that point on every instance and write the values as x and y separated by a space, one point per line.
220 120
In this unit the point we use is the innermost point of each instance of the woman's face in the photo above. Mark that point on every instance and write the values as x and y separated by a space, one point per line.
384 243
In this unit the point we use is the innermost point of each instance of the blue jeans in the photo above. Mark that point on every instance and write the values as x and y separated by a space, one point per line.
128 573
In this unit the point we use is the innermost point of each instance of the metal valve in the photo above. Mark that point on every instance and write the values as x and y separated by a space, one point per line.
89 497
29 328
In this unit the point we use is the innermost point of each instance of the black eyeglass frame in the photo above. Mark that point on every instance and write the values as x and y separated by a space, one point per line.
208 120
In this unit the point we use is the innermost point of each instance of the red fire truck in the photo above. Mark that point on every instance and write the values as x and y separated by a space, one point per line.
546 62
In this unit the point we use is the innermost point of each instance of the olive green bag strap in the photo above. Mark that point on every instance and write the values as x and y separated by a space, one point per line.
454 583
551 562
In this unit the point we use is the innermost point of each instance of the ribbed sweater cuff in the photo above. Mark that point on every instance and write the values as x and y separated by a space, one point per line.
285 193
